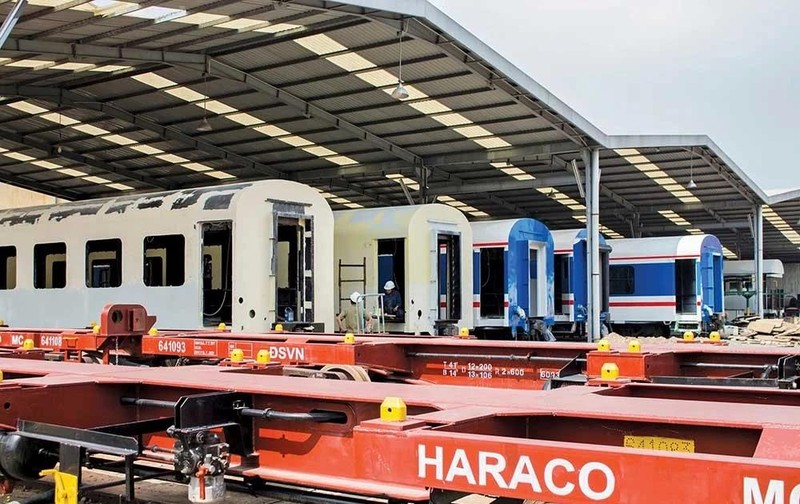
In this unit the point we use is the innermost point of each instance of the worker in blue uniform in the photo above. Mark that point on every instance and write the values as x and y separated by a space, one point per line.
392 301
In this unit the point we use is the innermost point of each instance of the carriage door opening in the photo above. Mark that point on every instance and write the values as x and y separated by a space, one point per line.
392 266
717 281
685 286
294 282
538 285
604 279
217 264
449 266
560 282
492 285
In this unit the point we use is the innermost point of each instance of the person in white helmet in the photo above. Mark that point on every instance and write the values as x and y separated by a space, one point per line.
393 300
348 319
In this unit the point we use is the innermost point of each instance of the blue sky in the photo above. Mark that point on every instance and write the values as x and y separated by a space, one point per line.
726 68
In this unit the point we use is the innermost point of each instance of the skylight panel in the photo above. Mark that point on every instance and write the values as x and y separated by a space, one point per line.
242 24
352 62
321 44
154 80
244 119
200 18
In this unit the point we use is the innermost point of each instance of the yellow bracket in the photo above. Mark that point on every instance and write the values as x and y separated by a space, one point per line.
66 486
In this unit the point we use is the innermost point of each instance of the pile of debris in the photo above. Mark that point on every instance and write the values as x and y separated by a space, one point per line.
769 332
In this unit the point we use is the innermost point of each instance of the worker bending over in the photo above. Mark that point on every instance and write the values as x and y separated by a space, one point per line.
348 319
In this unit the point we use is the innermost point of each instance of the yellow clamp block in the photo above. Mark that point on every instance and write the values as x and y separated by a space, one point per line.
2 322
92 324
393 409
262 357
28 344
688 336
350 338
714 336
609 371
604 345
1 376
634 346
463 332
95 329
237 355
222 326
278 327
66 486
153 331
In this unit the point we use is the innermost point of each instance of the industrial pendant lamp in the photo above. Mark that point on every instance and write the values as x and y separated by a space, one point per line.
204 125
691 184
400 92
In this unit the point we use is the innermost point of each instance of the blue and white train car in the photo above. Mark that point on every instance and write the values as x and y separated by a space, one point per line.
666 285
570 290
512 279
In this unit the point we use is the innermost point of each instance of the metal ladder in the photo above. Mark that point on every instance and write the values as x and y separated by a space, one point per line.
344 295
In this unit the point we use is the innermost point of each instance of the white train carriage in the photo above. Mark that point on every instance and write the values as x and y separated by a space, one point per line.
424 249
740 288
248 255
570 287
512 279
666 285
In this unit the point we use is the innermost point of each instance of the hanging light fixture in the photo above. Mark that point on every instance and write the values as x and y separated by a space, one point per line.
60 132
204 125
400 92
691 184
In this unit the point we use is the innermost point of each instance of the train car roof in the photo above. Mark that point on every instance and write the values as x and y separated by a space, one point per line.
772 268
565 239
221 197
501 231
395 222
664 247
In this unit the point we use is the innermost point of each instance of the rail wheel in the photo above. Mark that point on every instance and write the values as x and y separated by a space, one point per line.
351 373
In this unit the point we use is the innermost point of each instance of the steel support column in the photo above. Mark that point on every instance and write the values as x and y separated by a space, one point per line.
11 20
758 260
594 298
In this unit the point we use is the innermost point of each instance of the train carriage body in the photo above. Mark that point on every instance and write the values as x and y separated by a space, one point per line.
740 288
512 278
666 285
570 289
247 255
424 249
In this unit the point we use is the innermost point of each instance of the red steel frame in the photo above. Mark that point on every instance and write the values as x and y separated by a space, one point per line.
565 445
124 329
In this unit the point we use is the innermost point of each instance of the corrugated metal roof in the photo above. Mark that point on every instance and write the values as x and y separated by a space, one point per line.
300 89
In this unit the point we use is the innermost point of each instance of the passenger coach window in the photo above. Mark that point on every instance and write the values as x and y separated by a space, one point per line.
164 260
8 268
104 263
50 265
621 280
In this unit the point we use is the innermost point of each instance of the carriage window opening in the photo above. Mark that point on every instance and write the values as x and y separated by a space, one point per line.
685 286
217 270
561 282
8 267
621 280
50 265
289 270
492 288
104 263
449 276
164 260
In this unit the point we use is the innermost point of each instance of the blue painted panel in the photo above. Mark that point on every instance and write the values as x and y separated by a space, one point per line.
578 275
652 279
520 273
476 272
385 270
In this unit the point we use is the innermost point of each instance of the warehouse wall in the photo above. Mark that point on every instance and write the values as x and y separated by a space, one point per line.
14 197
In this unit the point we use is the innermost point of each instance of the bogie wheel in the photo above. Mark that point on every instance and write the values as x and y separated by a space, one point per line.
353 373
